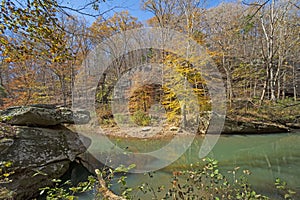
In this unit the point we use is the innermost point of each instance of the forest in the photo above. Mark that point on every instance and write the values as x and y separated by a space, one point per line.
254 45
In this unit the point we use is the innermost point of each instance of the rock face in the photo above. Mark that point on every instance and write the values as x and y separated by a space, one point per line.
233 126
43 115
38 154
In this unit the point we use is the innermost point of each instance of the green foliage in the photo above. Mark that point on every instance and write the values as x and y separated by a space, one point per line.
115 176
201 181
209 183
282 188
141 118
66 191
5 118
5 173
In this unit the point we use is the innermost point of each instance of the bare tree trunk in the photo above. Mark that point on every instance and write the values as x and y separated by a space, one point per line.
254 87
63 86
278 88
283 85
269 55
63 89
265 87
228 81
294 83
72 81
272 84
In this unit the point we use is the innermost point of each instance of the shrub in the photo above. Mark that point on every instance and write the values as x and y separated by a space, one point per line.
141 118
199 182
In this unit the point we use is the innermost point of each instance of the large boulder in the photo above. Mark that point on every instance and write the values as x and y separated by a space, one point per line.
38 155
43 115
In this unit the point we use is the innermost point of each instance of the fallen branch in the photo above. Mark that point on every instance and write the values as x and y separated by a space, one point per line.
107 194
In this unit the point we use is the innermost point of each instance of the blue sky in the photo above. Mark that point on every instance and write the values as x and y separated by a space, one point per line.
133 6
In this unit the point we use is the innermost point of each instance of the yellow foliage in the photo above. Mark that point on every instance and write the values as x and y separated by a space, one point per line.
120 21
181 79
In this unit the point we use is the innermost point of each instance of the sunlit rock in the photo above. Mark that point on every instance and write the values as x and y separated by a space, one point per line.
43 115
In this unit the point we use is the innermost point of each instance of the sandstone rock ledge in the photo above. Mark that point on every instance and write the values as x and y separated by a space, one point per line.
238 126
39 147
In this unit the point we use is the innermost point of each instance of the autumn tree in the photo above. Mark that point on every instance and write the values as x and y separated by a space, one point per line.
221 26
28 38
165 12
181 79
101 30
42 33
185 17
47 54
239 37
144 97
121 21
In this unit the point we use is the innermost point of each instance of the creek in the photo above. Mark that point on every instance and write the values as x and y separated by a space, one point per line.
267 156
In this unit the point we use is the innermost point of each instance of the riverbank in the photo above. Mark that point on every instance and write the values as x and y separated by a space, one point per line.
233 125
243 117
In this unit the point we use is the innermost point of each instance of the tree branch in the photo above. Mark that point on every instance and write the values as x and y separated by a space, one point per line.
260 6
107 194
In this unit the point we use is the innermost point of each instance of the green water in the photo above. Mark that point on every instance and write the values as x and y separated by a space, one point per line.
266 156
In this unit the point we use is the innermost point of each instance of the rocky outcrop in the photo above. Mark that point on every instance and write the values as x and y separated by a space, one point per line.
242 125
38 154
238 126
43 115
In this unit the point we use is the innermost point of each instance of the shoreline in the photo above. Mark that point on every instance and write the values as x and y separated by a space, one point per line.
115 132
